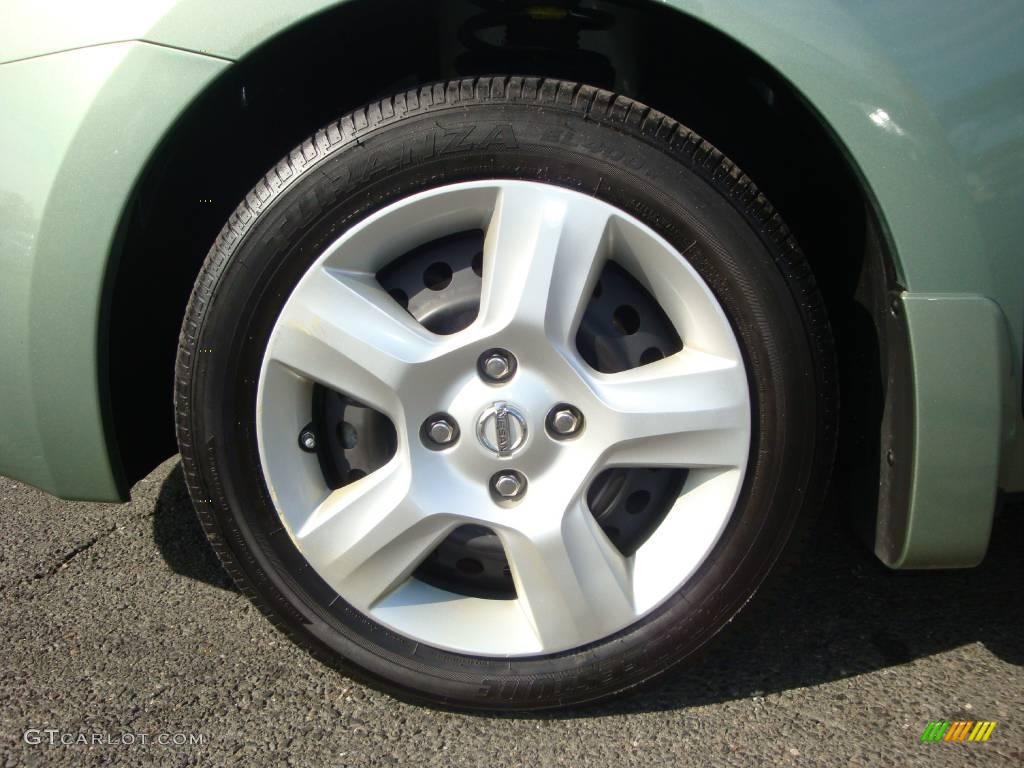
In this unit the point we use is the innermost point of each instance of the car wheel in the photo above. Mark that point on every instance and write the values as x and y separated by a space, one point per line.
504 393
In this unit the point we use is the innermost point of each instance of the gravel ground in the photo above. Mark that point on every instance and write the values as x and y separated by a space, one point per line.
118 620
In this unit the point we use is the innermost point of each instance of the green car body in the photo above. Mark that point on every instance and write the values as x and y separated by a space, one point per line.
924 100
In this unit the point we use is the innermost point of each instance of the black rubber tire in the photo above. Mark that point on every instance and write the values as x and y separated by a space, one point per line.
506 127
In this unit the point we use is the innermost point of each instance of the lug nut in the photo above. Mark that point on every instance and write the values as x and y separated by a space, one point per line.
508 485
564 421
497 365
441 432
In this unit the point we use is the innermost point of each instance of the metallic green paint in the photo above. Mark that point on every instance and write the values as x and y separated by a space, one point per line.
925 97
225 29
85 124
960 350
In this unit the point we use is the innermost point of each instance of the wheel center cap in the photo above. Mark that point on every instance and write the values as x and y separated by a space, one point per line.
501 428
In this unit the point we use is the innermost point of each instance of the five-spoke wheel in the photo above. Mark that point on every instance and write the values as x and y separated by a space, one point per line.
543 251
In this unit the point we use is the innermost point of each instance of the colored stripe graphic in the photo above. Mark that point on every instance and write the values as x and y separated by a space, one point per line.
958 730
935 730
982 731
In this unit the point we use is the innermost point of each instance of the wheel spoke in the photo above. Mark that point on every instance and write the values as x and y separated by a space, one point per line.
542 253
685 536
570 580
342 330
689 410
367 537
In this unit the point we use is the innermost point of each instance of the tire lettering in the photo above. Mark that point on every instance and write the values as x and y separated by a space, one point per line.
457 139
501 135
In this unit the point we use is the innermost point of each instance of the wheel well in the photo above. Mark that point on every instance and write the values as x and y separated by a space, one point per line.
277 96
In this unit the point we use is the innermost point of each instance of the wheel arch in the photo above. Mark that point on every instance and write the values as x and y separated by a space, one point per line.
813 109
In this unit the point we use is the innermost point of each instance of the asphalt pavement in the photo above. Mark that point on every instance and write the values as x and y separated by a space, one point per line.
119 629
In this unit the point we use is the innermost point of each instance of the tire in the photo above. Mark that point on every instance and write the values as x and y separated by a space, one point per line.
574 140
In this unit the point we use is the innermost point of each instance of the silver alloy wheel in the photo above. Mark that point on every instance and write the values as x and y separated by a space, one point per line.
543 250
